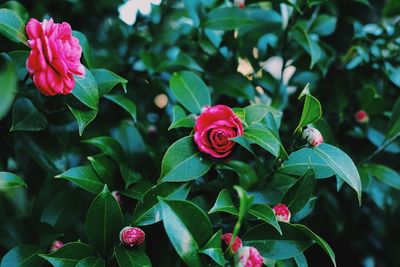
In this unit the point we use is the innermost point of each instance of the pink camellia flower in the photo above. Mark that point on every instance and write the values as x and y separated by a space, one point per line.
362 117
227 238
313 136
56 245
282 212
213 129
131 236
54 57
117 197
240 3
248 257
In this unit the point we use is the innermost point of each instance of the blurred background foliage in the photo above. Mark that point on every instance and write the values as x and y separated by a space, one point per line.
348 50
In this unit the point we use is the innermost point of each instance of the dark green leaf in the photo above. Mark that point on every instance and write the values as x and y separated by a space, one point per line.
263 137
265 213
86 90
19 59
224 203
10 181
383 173
8 81
214 250
247 175
83 117
26 117
91 262
69 254
234 85
107 80
12 26
22 256
258 112
104 167
104 222
84 177
312 110
393 128
308 44
183 162
324 25
108 146
180 119
131 257
125 103
299 194
87 52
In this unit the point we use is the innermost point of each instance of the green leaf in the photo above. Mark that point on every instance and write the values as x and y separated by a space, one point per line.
312 110
19 9
299 161
299 194
244 143
342 165
224 203
317 240
274 246
131 257
183 162
187 227
124 103
84 177
180 119
324 25
104 167
391 8
263 137
258 112
91 262
12 26
308 44
245 202
301 260
214 250
234 85
69 254
393 128
87 52
190 91
247 175
104 222
148 209
22 256
26 117
19 59
107 80
8 81
265 213
130 176
9 181
383 174
86 91
83 117
108 146
234 18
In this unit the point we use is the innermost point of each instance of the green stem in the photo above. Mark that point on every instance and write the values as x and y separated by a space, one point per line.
380 149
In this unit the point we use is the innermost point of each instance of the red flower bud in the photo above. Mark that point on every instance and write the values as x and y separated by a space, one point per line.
131 236
362 116
56 245
313 136
227 238
282 213
248 257
240 3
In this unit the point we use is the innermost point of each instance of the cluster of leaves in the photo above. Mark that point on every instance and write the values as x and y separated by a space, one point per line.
62 156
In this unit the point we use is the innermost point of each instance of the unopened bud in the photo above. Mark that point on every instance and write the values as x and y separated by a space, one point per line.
362 117
248 257
57 244
240 3
131 236
227 238
313 136
282 212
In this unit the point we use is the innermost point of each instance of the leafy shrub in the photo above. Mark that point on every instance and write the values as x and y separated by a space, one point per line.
207 134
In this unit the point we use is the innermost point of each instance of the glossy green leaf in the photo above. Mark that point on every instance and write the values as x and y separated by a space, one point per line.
130 176
86 91
8 81
318 240
245 202
19 59
224 203
108 146
301 260
12 26
91 262
180 119
258 112
247 175
272 245
263 137
299 194
342 165
26 117
309 44
244 143
87 52
83 117
187 227
10 181
19 9
22 256
312 110
394 122
148 209
265 213
131 257
234 85
324 25
125 103
190 91
107 80
214 250
104 222
183 162
84 177
69 254
383 174
104 167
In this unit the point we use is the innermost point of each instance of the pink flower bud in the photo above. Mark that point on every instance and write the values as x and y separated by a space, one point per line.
282 213
362 117
131 236
240 3
248 257
117 197
227 238
56 245
313 136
